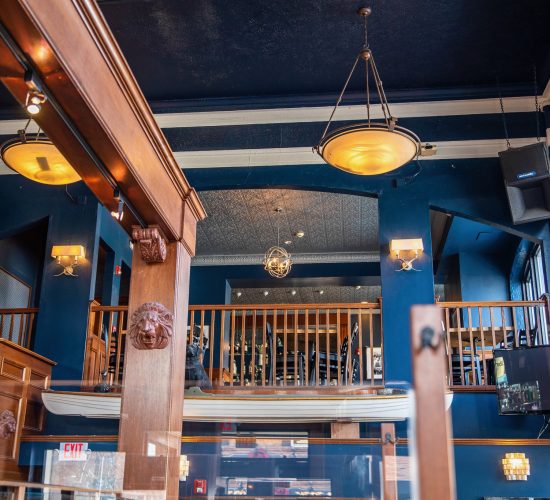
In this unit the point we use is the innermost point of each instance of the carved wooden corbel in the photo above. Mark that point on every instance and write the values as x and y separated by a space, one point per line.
152 243
8 424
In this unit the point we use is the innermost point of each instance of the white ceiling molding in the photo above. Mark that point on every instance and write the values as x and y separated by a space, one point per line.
485 148
322 113
298 258
344 113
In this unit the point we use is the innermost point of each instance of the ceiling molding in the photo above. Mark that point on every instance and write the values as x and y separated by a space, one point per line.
344 113
299 258
265 157
322 113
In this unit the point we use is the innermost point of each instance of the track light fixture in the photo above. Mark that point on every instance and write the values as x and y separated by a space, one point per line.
118 214
34 101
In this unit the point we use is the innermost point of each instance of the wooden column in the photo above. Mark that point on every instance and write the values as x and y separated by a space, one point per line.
389 464
432 427
154 370
344 430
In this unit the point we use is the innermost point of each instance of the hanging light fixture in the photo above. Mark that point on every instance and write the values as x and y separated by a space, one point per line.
38 159
277 261
368 148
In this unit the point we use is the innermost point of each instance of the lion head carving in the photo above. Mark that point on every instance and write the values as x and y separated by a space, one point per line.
151 326
8 424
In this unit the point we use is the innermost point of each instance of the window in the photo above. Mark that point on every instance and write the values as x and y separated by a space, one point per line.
533 287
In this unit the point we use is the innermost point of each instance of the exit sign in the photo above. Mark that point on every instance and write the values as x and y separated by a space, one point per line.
73 451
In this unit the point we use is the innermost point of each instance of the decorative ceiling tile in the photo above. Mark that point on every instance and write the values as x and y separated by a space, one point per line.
244 221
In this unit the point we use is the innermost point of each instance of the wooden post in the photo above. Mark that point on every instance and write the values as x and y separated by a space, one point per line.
433 451
154 367
389 464
344 430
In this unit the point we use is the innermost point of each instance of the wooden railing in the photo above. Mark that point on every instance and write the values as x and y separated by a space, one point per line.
475 329
257 345
289 345
16 325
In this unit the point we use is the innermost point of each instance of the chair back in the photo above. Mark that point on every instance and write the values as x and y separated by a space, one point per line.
344 347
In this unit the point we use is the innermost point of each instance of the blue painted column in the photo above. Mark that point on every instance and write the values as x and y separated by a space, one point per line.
64 300
402 214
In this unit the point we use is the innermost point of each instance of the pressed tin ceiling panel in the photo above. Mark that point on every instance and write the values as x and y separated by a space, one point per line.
306 295
244 221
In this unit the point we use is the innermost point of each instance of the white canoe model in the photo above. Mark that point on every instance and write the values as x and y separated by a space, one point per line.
204 407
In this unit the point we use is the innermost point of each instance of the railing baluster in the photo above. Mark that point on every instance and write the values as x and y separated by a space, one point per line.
348 353
515 327
317 348
201 336
296 348
482 329
107 360
449 347
191 328
10 333
232 347
264 346
221 382
459 329
2 325
253 360
527 321
211 343
327 344
360 346
504 327
243 346
119 347
21 324
537 325
29 331
285 346
371 342
381 337
493 335
472 346
338 351
274 350
306 345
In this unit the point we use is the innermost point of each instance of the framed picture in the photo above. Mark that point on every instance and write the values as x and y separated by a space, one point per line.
374 364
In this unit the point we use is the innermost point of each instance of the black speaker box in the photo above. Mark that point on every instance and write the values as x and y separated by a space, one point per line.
526 173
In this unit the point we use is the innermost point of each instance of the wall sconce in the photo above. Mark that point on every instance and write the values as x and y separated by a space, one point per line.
516 467
402 248
184 467
67 257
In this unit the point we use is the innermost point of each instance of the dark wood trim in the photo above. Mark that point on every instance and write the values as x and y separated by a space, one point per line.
26 351
359 441
108 112
473 388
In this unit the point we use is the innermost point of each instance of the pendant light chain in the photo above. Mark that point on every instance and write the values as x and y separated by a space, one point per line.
537 106
503 115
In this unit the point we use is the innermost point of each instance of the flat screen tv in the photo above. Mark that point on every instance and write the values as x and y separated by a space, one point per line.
523 380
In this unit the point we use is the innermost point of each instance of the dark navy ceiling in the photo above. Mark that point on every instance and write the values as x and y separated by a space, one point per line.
189 49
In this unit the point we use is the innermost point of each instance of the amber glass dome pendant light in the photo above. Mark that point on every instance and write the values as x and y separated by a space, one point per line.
38 159
368 148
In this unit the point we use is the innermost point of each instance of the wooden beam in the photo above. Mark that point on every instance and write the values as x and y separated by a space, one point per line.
432 426
95 105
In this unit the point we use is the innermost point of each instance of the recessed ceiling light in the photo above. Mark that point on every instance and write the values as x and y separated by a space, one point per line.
364 302
266 293
299 234
288 242
358 287
293 292
321 292
239 294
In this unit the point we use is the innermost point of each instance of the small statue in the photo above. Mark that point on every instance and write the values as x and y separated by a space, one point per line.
195 375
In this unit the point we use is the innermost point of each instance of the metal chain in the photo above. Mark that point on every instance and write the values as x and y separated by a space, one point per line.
503 115
537 106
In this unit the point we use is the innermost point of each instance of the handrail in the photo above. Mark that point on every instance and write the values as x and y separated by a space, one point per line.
504 303
288 307
17 324
19 310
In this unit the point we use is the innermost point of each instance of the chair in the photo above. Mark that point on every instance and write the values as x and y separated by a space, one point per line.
329 364
294 372
467 367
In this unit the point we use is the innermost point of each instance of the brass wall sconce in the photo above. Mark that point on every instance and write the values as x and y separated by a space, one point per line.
516 467
67 257
401 249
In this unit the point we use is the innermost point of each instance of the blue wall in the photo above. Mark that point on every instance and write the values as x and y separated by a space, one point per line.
63 303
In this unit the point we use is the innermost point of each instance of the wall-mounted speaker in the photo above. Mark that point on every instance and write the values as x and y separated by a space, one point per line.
526 173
